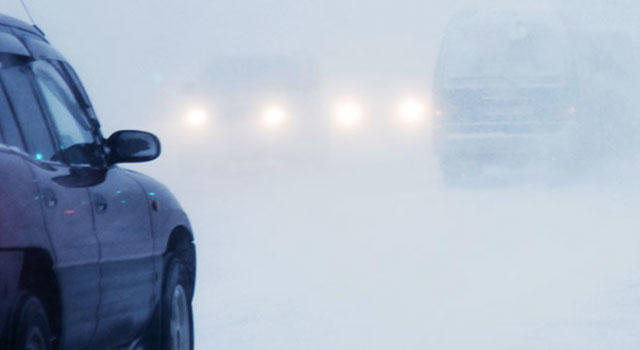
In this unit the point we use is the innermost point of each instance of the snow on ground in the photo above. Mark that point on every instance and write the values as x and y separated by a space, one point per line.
381 256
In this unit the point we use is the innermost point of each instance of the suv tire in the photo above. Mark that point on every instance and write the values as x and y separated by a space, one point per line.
176 314
29 327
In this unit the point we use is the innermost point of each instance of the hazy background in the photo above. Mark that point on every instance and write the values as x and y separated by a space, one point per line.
354 243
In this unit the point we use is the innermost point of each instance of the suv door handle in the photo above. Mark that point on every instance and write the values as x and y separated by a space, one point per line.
100 203
49 198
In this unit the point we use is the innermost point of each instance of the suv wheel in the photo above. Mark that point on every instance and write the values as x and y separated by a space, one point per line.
176 312
30 326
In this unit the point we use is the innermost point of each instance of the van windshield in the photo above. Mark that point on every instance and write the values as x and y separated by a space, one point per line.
504 50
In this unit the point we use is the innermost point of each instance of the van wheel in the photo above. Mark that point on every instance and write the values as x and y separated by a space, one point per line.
30 326
176 311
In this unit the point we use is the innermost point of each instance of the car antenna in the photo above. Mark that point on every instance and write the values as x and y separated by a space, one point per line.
26 9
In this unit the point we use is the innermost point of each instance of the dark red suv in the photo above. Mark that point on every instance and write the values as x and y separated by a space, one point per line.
92 256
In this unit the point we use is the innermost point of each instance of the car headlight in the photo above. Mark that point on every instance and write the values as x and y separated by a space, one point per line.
412 110
274 116
196 117
349 114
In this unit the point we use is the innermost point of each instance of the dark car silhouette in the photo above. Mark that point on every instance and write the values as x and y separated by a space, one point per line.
92 256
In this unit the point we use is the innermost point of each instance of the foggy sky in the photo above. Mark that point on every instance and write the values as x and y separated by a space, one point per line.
154 47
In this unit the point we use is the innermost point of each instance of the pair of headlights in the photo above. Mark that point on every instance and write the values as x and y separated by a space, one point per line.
351 114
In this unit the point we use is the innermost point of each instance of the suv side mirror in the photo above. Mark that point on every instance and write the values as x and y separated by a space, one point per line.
132 146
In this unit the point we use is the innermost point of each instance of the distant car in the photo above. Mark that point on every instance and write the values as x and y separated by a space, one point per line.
266 108
92 256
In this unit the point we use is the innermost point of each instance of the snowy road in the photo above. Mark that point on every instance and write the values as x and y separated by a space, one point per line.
374 257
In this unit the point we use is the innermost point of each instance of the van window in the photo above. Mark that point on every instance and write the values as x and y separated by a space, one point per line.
504 50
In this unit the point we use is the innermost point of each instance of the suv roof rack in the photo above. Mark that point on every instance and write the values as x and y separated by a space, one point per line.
16 23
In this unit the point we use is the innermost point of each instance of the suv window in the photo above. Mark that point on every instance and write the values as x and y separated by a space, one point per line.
76 139
14 75
75 82
8 126
81 93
